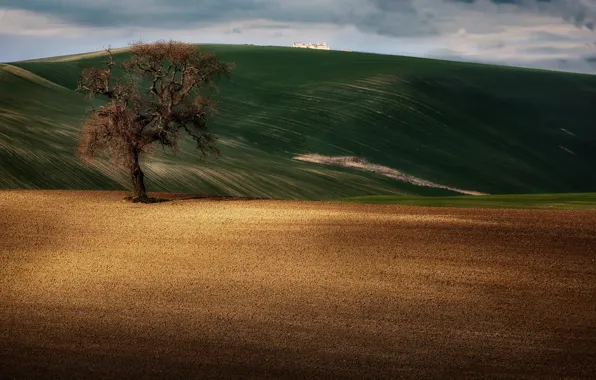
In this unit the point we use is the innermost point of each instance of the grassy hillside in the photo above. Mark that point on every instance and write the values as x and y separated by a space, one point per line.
475 127
524 201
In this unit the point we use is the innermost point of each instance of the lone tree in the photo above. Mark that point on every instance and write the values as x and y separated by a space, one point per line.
165 87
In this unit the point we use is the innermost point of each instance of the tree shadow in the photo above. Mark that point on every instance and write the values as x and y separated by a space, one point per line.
135 199
169 197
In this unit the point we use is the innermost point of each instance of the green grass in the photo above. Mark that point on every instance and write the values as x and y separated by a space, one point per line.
476 127
567 201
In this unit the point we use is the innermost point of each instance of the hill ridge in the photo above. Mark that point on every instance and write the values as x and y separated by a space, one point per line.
489 129
29 75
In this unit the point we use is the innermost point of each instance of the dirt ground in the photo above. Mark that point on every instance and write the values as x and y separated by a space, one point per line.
92 287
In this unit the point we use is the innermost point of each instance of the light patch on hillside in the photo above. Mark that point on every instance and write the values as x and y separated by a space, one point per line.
568 132
362 164
566 150
76 57
8 114
29 76
234 143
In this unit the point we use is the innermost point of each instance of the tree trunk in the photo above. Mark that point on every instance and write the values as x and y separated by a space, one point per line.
138 177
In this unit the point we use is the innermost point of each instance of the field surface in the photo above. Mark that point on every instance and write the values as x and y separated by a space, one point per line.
462 127
93 287
580 201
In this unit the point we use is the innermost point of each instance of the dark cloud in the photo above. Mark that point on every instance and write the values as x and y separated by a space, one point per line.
385 17
153 13
269 26
581 13
549 50
552 37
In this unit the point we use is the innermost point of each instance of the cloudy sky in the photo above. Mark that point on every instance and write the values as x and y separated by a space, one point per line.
551 34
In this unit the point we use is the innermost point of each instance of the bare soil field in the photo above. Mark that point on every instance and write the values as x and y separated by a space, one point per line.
93 287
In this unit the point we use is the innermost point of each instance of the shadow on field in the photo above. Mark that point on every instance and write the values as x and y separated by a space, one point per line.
25 235
168 197
17 223
292 290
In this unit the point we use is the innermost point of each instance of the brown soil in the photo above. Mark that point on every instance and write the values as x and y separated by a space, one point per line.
93 287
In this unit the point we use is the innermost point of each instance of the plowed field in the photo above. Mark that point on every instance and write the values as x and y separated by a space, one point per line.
93 287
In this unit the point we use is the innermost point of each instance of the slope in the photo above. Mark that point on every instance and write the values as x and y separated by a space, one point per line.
464 126
39 127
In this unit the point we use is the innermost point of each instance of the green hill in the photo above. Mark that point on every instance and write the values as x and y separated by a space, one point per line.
466 127
561 201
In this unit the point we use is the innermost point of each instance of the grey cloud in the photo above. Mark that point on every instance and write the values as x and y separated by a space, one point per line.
552 37
396 18
571 65
546 50
269 26
581 13
577 65
156 13
385 17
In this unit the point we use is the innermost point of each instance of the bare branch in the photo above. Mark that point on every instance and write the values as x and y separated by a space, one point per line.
134 119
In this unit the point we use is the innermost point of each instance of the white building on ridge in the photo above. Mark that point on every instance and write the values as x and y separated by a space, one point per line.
318 46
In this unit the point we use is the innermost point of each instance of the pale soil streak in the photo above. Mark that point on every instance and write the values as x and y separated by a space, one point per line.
29 75
77 57
94 287
362 164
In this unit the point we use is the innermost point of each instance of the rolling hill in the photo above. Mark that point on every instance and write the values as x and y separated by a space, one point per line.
399 125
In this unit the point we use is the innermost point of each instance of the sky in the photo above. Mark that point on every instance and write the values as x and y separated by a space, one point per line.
547 34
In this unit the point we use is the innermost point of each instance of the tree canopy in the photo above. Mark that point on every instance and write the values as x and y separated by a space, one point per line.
166 87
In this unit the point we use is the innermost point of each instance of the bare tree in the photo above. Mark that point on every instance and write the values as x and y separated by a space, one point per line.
165 87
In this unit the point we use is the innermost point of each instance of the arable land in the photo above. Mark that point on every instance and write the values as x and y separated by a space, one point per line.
93 287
